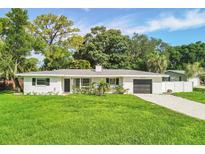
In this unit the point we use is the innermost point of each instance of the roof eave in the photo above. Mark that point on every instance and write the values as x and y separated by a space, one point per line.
62 75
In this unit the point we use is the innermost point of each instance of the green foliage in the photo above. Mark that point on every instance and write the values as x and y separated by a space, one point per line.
79 64
94 89
157 62
120 90
108 48
193 70
102 87
30 65
56 58
55 39
143 46
186 54
17 42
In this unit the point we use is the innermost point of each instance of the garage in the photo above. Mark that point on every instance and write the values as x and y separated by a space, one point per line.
142 86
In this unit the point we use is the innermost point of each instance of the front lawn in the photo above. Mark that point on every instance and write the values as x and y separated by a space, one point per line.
83 119
197 95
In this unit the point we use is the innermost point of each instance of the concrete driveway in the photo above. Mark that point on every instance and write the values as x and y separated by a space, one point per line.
177 104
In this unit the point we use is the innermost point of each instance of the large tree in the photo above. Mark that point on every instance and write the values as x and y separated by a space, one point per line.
108 48
17 42
141 47
56 39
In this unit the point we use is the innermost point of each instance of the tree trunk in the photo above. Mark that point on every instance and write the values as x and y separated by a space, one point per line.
13 83
18 85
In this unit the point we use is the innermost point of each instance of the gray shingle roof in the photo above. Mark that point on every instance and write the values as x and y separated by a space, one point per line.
176 71
91 72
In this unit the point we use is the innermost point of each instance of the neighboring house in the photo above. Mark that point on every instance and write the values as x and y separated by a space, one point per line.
65 80
179 75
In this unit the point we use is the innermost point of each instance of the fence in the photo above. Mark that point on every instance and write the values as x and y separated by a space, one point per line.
175 86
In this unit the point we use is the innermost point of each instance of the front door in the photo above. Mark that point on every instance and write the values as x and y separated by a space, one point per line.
66 85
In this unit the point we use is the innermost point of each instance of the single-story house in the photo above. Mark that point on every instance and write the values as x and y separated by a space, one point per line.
179 75
65 80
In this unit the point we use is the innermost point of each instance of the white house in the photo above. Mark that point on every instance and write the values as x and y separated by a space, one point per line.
64 80
179 75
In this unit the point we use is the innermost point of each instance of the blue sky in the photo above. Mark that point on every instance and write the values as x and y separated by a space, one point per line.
175 26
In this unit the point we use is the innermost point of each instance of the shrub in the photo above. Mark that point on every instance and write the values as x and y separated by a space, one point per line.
102 87
76 90
120 90
94 89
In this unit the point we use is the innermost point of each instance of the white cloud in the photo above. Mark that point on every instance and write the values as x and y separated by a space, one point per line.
191 19
129 24
83 26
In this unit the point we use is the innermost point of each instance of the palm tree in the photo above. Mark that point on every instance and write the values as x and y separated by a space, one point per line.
193 70
102 87
157 62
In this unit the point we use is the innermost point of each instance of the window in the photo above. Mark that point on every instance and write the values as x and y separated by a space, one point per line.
81 82
85 82
180 78
112 81
43 81
76 83
165 78
33 81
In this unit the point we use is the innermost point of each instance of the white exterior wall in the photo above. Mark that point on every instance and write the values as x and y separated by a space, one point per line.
57 85
54 87
177 86
156 84
195 81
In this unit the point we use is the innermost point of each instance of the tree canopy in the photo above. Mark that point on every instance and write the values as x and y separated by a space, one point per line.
142 47
55 39
108 48
181 55
16 42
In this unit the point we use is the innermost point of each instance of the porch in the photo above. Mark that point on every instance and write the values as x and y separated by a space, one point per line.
72 83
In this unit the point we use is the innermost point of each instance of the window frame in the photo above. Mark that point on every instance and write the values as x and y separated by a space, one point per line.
80 81
84 86
75 82
47 82
116 81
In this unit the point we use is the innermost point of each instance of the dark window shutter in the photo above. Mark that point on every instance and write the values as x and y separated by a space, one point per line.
107 80
47 81
33 81
117 81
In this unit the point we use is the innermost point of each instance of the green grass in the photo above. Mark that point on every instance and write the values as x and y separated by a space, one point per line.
197 95
83 119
